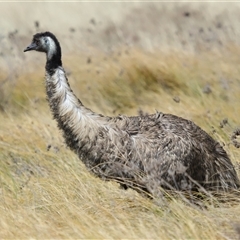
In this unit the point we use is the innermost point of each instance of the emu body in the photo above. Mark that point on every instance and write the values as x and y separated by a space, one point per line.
142 152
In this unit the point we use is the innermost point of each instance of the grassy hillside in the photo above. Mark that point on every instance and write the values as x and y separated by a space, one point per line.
174 58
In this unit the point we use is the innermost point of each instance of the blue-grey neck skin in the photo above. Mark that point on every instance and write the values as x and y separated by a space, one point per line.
53 54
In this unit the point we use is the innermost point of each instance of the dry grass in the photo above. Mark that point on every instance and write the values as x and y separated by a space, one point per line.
49 194
45 190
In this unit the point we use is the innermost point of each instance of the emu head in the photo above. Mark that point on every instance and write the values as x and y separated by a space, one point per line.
45 42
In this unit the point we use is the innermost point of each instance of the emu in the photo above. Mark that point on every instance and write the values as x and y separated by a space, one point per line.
147 153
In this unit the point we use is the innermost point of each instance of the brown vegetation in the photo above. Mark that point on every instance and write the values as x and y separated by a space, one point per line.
142 59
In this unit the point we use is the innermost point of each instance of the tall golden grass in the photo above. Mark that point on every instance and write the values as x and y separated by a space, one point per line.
45 190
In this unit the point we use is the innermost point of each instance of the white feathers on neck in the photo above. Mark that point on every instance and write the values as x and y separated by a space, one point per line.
82 121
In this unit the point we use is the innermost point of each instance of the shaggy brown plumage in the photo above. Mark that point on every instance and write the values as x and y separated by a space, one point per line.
146 152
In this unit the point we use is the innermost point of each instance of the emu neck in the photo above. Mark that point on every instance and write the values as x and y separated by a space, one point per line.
53 59
79 124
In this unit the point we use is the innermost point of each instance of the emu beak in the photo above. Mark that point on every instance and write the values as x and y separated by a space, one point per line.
32 46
